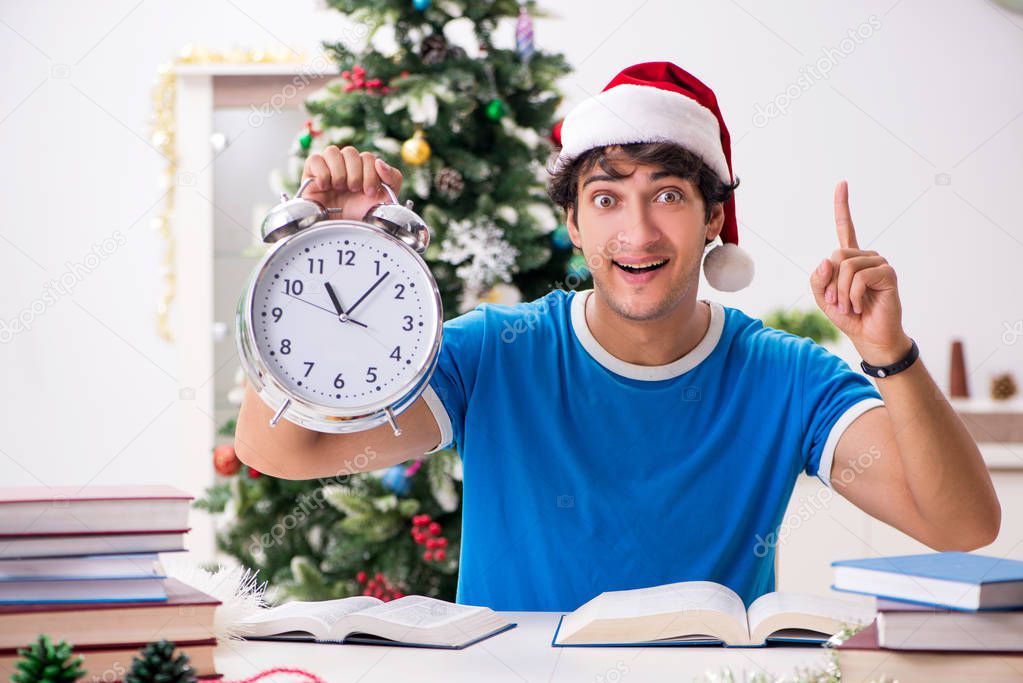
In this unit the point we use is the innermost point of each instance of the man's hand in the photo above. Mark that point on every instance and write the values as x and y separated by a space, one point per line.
346 179
858 291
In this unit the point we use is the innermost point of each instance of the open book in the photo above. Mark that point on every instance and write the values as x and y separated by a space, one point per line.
705 613
412 620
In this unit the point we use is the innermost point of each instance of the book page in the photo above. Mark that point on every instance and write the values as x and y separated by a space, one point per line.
770 605
685 596
327 612
421 612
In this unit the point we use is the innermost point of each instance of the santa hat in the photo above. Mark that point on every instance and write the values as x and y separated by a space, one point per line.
661 102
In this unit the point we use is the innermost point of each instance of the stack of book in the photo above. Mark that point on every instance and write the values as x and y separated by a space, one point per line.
82 565
940 617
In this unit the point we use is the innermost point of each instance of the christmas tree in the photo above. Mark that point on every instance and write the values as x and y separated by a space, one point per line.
470 128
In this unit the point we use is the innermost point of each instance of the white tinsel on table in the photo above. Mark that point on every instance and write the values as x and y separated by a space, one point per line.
480 254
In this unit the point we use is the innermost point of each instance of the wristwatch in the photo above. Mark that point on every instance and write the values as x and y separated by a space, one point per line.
894 368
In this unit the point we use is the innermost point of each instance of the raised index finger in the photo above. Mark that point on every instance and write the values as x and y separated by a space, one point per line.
843 218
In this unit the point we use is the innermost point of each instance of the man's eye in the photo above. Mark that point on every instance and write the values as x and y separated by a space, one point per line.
675 195
603 201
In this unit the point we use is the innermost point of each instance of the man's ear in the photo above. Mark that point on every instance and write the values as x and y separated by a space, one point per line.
716 222
573 229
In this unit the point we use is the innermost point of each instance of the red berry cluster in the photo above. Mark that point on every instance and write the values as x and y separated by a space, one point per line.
357 80
378 587
426 532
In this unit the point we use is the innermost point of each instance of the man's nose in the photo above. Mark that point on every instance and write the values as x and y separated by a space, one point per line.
641 228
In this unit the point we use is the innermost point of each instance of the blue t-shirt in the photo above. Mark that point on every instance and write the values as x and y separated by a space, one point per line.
583 473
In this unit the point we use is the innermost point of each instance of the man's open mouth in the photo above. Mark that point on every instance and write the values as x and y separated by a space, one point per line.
641 268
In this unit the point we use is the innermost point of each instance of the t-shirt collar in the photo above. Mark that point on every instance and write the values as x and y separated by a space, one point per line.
645 372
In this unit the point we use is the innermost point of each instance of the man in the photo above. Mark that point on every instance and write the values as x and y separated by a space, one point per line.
634 435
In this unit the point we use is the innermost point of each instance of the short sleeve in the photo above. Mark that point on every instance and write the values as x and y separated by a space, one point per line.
833 395
455 375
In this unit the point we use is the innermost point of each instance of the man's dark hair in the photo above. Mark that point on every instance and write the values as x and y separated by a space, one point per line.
563 188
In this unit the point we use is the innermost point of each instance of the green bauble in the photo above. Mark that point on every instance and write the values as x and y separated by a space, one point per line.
496 109
156 663
44 662
306 141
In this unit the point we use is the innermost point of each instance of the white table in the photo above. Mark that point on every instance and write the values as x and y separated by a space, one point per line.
521 654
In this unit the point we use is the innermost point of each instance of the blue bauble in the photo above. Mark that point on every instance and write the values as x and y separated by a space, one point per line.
420 4
395 481
560 237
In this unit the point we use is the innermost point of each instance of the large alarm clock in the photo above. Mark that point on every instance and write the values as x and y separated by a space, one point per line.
341 322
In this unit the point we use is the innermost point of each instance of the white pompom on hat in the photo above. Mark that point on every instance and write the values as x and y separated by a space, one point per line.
661 102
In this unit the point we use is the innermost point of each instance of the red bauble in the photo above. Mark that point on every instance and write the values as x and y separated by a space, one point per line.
434 528
225 460
428 556
254 473
439 555
361 577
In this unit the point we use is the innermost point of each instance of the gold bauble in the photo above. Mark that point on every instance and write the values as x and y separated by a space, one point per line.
416 150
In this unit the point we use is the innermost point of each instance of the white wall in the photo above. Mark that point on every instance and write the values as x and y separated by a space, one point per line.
933 89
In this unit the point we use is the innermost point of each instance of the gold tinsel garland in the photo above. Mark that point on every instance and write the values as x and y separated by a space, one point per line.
162 135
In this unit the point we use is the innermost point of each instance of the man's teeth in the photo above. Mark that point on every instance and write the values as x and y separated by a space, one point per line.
641 267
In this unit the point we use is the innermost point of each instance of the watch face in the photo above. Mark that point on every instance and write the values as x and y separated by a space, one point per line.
345 317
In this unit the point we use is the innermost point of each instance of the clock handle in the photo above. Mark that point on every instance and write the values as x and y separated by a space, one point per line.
390 193
301 189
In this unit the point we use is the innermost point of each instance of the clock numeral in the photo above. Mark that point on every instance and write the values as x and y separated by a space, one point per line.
308 369
285 346
277 313
408 323
345 257
371 375
378 266
313 264
339 382
401 291
396 354
292 286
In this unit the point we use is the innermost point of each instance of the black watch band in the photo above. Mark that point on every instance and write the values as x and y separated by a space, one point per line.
894 368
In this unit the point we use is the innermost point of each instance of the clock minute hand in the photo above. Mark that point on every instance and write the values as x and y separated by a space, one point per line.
375 284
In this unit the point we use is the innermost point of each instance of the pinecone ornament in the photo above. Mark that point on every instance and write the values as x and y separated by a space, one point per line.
449 183
434 49
1003 387
45 662
156 663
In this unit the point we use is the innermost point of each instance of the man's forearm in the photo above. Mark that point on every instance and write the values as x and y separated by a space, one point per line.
943 466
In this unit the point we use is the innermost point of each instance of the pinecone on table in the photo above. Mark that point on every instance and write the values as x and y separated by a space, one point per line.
1003 387
449 183
156 663
46 661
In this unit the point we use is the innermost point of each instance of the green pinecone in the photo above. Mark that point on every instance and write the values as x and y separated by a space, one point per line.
44 662
157 664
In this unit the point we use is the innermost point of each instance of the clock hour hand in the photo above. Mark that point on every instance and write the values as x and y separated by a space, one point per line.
375 284
334 300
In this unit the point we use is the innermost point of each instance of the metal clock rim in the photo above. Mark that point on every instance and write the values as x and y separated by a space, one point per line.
310 413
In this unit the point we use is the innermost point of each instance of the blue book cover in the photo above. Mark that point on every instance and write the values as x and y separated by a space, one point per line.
950 566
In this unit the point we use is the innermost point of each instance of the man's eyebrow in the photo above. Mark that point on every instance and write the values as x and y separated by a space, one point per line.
593 179
656 175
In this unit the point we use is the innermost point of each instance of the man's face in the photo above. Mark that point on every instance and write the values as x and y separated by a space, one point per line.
643 220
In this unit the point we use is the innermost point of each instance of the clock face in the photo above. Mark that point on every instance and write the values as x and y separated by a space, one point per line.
364 357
